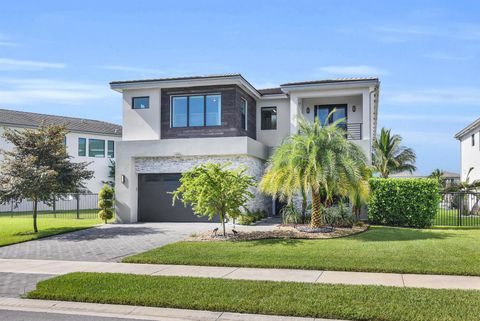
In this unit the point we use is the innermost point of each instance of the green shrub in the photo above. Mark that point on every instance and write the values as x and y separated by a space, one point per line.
249 217
411 202
245 219
291 214
105 203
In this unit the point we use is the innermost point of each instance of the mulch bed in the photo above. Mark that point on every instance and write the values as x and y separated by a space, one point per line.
277 232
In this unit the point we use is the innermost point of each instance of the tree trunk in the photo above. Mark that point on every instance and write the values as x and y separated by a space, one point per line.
35 203
222 218
316 210
304 206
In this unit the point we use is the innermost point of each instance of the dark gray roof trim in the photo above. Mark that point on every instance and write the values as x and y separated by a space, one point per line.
27 119
176 78
328 81
271 91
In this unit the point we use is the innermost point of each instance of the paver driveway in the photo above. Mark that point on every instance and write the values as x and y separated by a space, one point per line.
105 243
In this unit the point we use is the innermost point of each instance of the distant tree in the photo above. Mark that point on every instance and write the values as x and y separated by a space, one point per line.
389 156
105 203
466 186
39 168
439 175
214 189
111 173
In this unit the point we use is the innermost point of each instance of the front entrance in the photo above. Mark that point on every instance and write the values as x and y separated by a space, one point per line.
155 200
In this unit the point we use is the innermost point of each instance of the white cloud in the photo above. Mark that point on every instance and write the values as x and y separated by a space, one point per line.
38 90
7 44
133 69
423 118
427 138
465 96
13 64
357 70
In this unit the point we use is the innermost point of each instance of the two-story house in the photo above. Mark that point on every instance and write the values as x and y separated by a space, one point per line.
469 138
87 140
172 124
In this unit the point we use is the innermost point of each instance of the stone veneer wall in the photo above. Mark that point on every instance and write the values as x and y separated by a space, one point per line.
255 167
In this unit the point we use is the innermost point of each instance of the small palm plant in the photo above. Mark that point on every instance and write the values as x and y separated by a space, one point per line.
318 160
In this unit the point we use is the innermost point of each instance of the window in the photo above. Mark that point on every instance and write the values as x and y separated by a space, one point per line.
269 118
244 111
322 112
82 147
96 147
141 102
473 139
196 111
111 149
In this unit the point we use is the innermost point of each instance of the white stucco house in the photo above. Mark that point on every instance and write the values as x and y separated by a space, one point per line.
469 138
88 140
172 124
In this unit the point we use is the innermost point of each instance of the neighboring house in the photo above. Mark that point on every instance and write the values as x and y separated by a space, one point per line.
450 177
172 124
469 138
88 140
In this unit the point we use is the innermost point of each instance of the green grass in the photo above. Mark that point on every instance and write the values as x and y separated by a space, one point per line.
380 249
20 228
350 302
451 218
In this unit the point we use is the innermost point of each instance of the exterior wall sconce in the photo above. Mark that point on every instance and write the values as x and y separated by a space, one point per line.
308 110
122 179
354 108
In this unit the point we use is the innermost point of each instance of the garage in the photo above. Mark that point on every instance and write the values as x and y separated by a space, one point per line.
155 202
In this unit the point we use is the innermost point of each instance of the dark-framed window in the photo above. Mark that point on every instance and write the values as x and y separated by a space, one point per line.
111 149
196 110
473 139
268 118
82 146
244 113
96 147
141 102
322 112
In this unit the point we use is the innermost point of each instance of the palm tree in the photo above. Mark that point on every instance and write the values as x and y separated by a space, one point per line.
318 160
438 175
389 156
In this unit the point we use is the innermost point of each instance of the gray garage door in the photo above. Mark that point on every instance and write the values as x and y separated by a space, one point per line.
155 203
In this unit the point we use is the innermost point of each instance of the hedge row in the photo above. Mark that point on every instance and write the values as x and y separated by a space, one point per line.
410 202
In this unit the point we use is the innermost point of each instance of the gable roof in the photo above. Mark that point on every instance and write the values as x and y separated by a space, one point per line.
27 119
467 129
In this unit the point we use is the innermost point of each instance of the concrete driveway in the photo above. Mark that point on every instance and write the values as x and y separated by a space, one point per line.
106 243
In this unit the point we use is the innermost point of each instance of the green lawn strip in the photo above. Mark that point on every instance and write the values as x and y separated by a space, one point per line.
380 249
20 229
352 302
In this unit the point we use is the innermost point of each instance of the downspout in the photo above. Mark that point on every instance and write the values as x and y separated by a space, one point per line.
374 114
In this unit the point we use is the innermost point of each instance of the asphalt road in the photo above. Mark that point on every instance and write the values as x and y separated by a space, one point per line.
8 315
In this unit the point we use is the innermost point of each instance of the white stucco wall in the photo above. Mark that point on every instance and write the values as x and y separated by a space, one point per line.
98 164
273 137
141 124
470 155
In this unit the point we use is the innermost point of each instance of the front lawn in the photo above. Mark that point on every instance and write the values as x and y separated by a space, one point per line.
350 302
20 229
380 249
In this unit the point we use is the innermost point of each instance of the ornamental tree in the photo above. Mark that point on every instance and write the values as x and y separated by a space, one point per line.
39 168
214 189
105 203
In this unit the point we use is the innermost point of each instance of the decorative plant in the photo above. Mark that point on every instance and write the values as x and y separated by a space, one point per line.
214 189
389 156
105 203
291 215
318 159
39 168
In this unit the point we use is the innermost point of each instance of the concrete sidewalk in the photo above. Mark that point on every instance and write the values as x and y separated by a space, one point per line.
308 276
136 312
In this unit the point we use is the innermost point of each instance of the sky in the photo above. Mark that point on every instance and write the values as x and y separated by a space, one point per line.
58 57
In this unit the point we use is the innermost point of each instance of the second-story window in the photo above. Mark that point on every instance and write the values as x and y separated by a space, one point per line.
196 111
140 102
111 149
473 139
269 118
96 147
243 113
82 146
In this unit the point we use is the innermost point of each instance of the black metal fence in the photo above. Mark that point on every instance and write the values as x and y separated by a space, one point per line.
458 209
71 206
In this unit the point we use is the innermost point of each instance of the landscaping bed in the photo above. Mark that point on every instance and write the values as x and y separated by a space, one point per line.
379 249
352 302
278 232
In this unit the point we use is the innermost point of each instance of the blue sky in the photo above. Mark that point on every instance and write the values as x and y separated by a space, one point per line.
58 56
